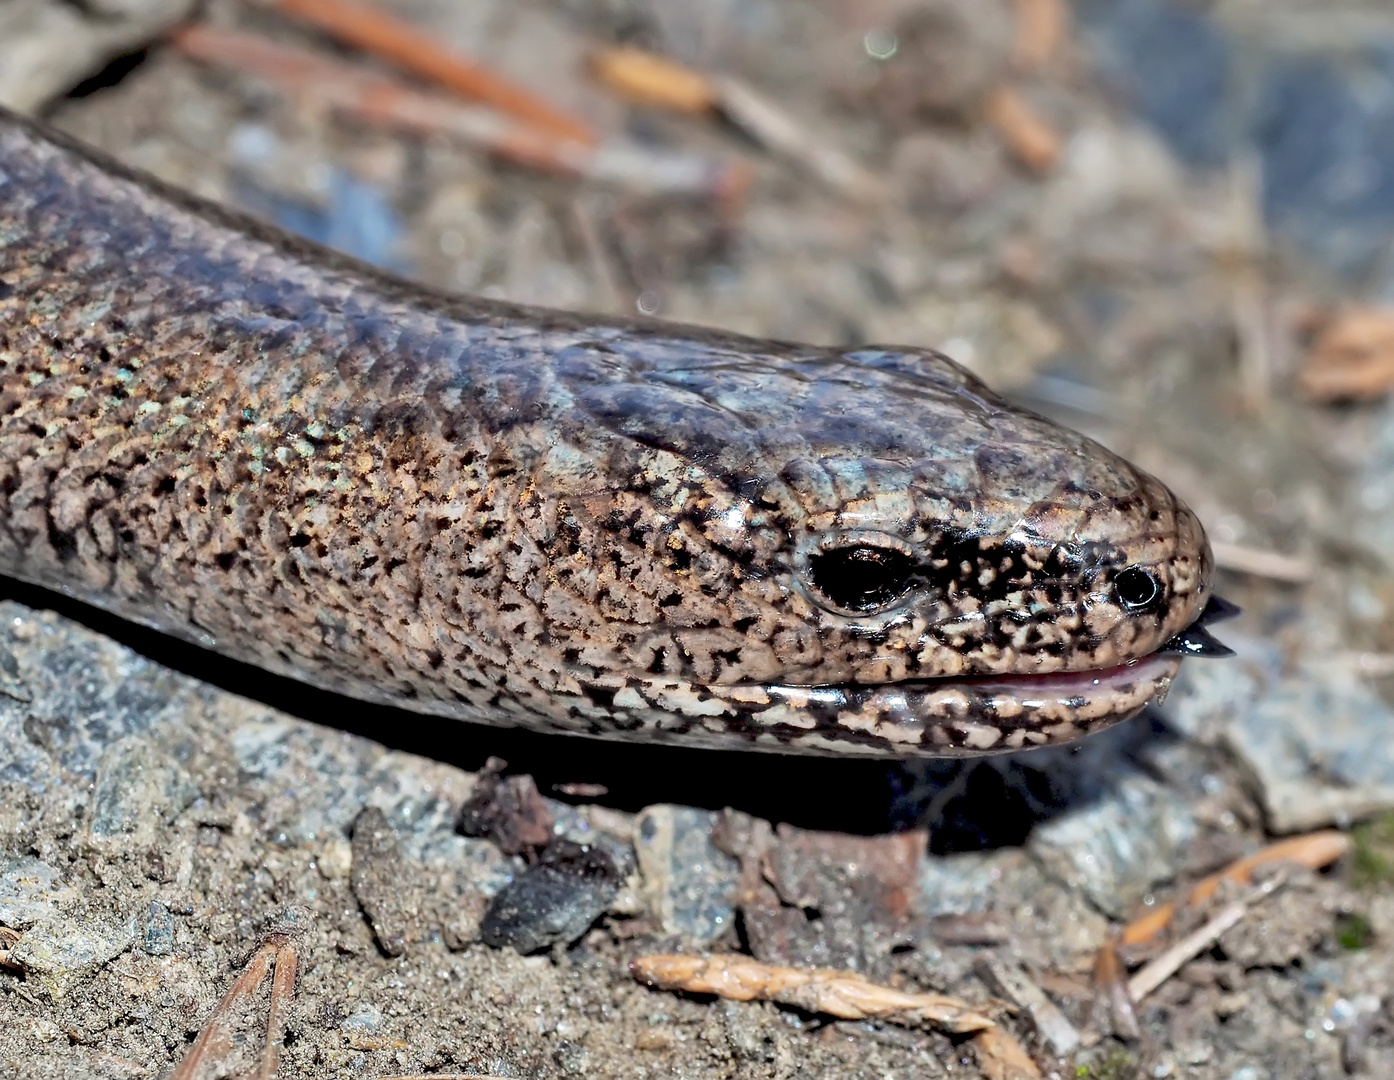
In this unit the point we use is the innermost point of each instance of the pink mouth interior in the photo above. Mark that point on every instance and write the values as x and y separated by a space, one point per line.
1077 683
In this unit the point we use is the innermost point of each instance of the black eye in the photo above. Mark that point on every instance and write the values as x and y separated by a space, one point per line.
861 578
1136 587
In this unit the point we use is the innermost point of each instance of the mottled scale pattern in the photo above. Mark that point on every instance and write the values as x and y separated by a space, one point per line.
510 515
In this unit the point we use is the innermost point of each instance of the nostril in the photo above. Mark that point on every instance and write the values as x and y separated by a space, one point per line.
1136 588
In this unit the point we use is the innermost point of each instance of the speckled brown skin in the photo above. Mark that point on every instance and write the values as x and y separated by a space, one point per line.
510 515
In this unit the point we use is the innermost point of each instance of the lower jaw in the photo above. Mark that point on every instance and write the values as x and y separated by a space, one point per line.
953 719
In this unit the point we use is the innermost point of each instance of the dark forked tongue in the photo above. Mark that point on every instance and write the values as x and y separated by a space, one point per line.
1195 640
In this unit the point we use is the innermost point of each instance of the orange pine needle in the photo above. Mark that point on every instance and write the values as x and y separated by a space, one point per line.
1314 851
385 35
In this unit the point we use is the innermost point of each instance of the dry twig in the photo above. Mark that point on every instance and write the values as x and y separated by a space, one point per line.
843 994
1274 565
1153 974
647 79
654 80
215 1035
382 34
1041 27
1313 851
1111 996
280 952
1009 980
380 99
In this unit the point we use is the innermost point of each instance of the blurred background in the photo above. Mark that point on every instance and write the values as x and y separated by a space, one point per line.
1169 223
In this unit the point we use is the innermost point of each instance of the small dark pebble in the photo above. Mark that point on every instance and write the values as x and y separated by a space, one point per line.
158 934
554 901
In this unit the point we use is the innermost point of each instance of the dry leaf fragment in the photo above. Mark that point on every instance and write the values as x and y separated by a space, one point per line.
1001 1057
1113 1007
655 80
843 994
1352 358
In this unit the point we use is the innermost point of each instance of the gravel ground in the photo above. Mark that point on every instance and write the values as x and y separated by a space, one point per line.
1222 183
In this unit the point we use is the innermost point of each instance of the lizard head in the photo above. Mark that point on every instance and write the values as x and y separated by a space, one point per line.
871 550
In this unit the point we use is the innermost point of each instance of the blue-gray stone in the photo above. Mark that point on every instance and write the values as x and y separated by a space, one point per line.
688 884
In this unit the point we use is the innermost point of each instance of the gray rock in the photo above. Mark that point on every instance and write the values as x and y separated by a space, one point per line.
157 935
46 48
30 891
555 901
1114 850
688 884
1371 494
60 951
969 882
139 789
1314 741
377 880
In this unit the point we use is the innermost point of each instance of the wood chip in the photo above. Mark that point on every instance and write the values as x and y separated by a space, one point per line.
1001 1057
843 994
8 938
646 79
1030 138
1352 359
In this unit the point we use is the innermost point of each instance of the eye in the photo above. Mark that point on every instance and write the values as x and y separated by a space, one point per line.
1136 588
861 578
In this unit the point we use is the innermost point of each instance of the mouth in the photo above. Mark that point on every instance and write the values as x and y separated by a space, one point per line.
963 717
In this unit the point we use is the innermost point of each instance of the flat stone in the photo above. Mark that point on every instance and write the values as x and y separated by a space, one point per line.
60 952
157 934
139 789
1314 741
30 891
377 880
970 882
688 884
1115 849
